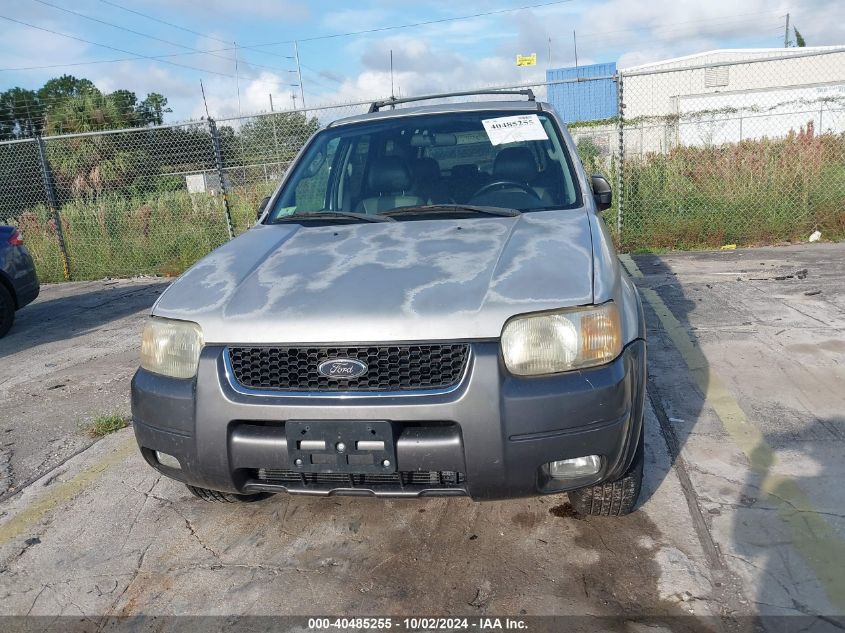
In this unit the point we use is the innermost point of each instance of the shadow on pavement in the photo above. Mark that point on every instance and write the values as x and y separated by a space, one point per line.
659 278
782 544
54 318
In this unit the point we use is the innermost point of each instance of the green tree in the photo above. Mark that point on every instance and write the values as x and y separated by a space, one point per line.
60 88
21 114
799 39
275 137
86 112
126 103
152 109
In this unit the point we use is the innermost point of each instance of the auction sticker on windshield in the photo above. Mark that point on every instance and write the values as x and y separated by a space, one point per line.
512 129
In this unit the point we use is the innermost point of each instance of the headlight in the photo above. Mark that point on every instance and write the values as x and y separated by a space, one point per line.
552 342
171 348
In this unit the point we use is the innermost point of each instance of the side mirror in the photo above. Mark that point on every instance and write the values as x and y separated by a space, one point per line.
601 192
261 206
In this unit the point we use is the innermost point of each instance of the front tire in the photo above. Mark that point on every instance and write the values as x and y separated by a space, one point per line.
613 498
7 310
215 496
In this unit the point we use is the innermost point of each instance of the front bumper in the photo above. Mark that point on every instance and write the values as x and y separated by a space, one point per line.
488 438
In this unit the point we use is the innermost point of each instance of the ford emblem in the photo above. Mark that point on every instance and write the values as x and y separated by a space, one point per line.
345 368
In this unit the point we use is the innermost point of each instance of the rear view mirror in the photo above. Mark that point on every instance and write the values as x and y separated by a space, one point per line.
601 192
261 206
433 140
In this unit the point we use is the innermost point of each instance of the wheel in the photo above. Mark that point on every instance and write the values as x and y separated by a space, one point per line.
7 310
613 498
214 496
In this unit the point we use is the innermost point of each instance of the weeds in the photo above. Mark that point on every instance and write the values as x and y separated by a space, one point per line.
750 193
102 425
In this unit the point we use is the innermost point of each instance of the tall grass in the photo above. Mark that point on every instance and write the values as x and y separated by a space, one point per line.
753 192
114 236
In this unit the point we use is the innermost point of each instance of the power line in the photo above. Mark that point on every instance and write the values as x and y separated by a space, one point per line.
414 24
137 56
667 24
429 22
186 29
120 59
148 36
119 50
160 21
661 31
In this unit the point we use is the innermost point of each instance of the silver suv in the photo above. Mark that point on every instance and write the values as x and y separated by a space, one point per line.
430 304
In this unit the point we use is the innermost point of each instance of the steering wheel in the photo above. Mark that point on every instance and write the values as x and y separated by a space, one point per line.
505 184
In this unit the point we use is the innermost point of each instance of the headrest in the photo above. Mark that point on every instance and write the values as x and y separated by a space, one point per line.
465 171
515 163
426 169
389 174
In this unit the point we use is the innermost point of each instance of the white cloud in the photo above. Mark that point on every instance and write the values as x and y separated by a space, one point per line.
450 56
419 69
288 9
24 47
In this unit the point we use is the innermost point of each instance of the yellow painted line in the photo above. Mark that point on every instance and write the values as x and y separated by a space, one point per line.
812 535
62 493
630 266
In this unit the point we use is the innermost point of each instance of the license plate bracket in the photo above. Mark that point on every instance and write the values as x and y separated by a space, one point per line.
341 446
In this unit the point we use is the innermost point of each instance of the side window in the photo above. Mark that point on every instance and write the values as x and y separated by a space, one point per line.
311 188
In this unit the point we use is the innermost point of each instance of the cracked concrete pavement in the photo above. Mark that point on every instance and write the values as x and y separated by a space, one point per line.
68 358
728 527
759 417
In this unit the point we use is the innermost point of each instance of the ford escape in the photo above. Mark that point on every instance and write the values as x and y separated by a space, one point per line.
429 304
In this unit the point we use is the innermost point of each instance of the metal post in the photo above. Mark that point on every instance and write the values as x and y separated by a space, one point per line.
53 203
786 33
273 120
218 162
299 72
620 177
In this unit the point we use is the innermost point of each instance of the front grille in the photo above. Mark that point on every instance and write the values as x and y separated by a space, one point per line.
390 367
400 480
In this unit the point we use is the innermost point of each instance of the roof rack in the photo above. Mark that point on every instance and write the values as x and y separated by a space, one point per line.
392 101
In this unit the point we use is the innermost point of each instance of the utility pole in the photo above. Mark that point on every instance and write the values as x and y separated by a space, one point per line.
392 93
299 72
237 78
575 45
550 53
786 33
202 88
275 137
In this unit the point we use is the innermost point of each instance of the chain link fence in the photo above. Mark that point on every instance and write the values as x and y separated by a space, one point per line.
720 152
699 154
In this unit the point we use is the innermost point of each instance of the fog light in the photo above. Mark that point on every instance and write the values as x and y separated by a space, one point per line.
577 467
168 460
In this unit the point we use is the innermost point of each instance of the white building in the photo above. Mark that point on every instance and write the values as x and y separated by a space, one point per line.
725 96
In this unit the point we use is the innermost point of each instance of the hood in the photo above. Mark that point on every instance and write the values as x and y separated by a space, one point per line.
388 281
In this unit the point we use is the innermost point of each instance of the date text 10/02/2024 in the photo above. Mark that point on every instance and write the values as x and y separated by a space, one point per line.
418 624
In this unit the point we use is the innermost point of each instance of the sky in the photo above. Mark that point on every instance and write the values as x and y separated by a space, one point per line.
243 50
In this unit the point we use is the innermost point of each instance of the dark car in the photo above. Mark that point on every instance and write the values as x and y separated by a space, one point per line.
18 281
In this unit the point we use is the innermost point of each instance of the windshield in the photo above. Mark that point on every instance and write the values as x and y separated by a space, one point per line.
483 159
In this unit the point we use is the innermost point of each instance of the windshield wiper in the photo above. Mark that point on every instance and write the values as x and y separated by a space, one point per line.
332 215
430 209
